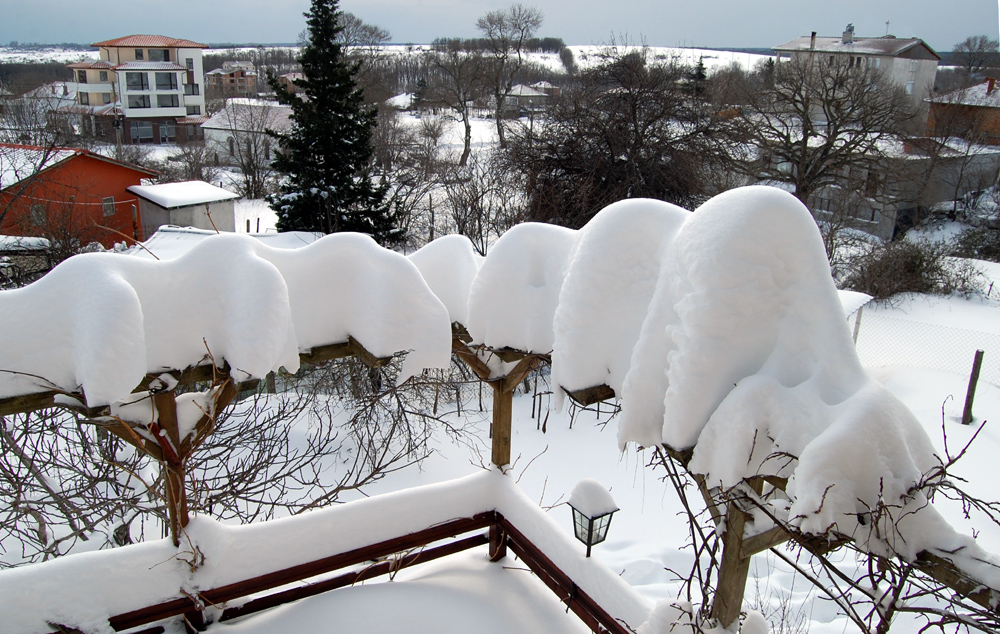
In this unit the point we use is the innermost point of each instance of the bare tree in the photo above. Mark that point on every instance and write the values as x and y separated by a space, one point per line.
457 83
821 119
481 201
239 136
977 52
626 129
506 32
67 478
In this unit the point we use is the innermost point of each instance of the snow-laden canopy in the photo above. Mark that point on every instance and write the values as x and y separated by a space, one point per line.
101 321
721 331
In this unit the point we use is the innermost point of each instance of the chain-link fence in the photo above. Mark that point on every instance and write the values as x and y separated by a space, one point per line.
884 340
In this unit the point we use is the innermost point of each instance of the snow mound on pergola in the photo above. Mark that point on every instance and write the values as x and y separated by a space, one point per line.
101 321
721 331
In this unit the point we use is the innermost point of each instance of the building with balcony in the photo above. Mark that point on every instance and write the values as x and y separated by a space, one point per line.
143 89
234 79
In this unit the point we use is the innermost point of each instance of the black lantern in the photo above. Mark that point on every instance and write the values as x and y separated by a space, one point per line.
591 530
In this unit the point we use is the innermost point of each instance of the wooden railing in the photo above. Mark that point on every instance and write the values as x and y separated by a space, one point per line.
372 561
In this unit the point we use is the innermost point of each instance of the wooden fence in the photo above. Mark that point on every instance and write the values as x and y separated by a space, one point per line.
369 562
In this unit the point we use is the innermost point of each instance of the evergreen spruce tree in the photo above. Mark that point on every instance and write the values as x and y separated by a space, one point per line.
326 159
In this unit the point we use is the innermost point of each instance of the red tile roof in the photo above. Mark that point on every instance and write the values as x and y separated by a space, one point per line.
146 41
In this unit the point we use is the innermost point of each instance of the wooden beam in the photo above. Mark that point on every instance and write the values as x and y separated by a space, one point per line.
232 591
734 568
366 357
518 374
763 541
947 573
590 395
503 406
321 354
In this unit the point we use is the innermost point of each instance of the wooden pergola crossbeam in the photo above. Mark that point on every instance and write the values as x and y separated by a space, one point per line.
202 373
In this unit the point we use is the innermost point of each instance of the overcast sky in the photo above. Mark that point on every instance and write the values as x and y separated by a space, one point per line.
706 23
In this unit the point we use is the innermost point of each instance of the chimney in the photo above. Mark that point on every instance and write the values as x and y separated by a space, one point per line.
812 40
848 36
991 84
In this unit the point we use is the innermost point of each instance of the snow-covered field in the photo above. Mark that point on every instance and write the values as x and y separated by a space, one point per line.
585 55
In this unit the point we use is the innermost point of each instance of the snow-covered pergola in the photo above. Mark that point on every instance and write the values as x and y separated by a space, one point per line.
720 332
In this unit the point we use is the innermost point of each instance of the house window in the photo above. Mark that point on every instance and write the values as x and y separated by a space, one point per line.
108 203
81 76
168 132
139 55
138 101
141 131
194 109
167 101
136 81
84 99
38 214
104 75
106 97
191 89
159 55
909 87
189 63
913 65
166 81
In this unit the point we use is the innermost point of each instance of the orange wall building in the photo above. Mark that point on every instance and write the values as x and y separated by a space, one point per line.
68 194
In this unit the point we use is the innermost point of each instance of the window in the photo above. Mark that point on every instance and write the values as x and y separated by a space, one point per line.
81 76
84 98
139 55
159 55
166 81
141 131
909 87
913 65
138 101
191 89
106 97
167 101
38 214
189 63
194 109
168 131
136 81
104 75
108 203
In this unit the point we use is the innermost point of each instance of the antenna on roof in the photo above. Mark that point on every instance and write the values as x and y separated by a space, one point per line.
887 27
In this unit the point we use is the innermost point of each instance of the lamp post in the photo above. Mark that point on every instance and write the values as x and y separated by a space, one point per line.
593 508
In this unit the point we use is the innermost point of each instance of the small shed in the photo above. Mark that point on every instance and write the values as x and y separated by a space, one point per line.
186 204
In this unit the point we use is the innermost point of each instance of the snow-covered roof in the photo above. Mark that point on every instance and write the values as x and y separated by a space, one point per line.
889 45
169 242
149 41
520 90
22 243
985 95
251 115
183 194
402 101
18 162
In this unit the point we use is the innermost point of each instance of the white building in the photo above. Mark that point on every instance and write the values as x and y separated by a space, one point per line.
187 204
908 62
144 89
